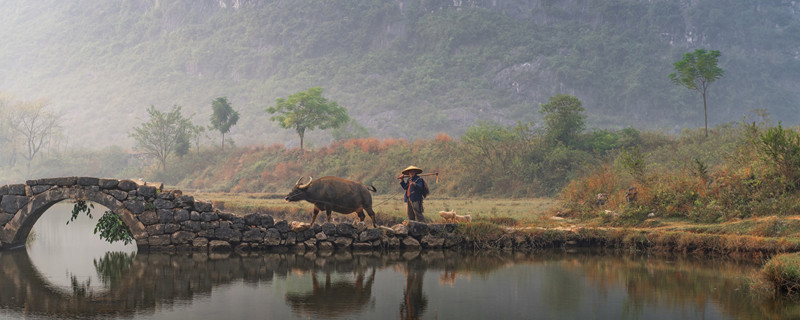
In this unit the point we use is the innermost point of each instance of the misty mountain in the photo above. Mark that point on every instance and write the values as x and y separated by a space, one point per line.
408 69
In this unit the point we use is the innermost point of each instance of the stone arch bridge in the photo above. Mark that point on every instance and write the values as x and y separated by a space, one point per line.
169 220
156 217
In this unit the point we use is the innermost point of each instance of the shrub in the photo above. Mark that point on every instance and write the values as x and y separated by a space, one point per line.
780 148
783 272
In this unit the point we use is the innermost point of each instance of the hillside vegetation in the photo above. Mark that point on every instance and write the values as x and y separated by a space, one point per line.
449 63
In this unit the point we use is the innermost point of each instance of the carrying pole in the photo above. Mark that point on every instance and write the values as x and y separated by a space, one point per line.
425 175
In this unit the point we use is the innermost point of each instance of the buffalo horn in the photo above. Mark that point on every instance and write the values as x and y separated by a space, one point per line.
298 181
307 184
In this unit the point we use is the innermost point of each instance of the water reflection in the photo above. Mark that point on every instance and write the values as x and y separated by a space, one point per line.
67 254
333 299
344 285
414 300
348 285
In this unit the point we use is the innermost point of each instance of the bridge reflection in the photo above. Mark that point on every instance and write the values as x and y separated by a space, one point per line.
133 283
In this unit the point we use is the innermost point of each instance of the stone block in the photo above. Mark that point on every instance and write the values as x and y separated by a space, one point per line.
343 242
219 246
432 241
310 245
325 245
160 240
163 204
272 237
186 202
37 189
291 238
127 185
253 235
346 230
242 248
410 243
165 216
118 194
370 235
259 220
63 181
435 229
417 229
16 189
209 216
156 229
229 234
199 242
203 206
193 226
148 217
393 242
400 229
146 191
183 237
329 229
171 227
170 195
282 226
108 183
88 181
12 203
5 218
181 215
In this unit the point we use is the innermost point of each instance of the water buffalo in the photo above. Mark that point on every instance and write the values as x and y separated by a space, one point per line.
334 194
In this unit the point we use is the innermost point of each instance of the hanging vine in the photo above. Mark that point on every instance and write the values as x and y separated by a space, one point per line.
110 225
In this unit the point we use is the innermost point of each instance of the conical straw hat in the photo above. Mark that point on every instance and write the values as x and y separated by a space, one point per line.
410 168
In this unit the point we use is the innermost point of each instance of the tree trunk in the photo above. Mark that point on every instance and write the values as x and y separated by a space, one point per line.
301 133
705 113
223 142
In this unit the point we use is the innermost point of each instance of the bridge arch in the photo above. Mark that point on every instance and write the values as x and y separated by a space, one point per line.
16 230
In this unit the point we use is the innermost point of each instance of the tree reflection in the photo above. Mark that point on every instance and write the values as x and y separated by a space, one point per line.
112 266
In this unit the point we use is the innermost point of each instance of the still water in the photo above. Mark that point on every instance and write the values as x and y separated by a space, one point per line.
68 273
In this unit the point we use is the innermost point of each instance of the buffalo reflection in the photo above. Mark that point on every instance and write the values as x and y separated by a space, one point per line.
333 299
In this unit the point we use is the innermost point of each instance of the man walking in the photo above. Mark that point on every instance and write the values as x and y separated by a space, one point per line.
416 190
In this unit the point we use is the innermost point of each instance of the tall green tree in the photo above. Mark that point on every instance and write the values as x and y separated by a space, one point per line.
162 135
307 110
697 71
223 117
564 118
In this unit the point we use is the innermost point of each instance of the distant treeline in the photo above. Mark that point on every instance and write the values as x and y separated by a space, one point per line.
452 61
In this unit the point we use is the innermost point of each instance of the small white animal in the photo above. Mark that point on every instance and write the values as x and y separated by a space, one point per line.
448 216
464 218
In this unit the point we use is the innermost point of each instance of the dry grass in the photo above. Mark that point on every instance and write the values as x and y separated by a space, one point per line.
392 209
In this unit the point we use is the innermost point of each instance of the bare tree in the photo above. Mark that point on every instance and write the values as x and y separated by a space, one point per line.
35 126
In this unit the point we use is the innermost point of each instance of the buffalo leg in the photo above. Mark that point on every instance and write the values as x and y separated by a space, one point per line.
372 216
314 216
361 215
328 212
